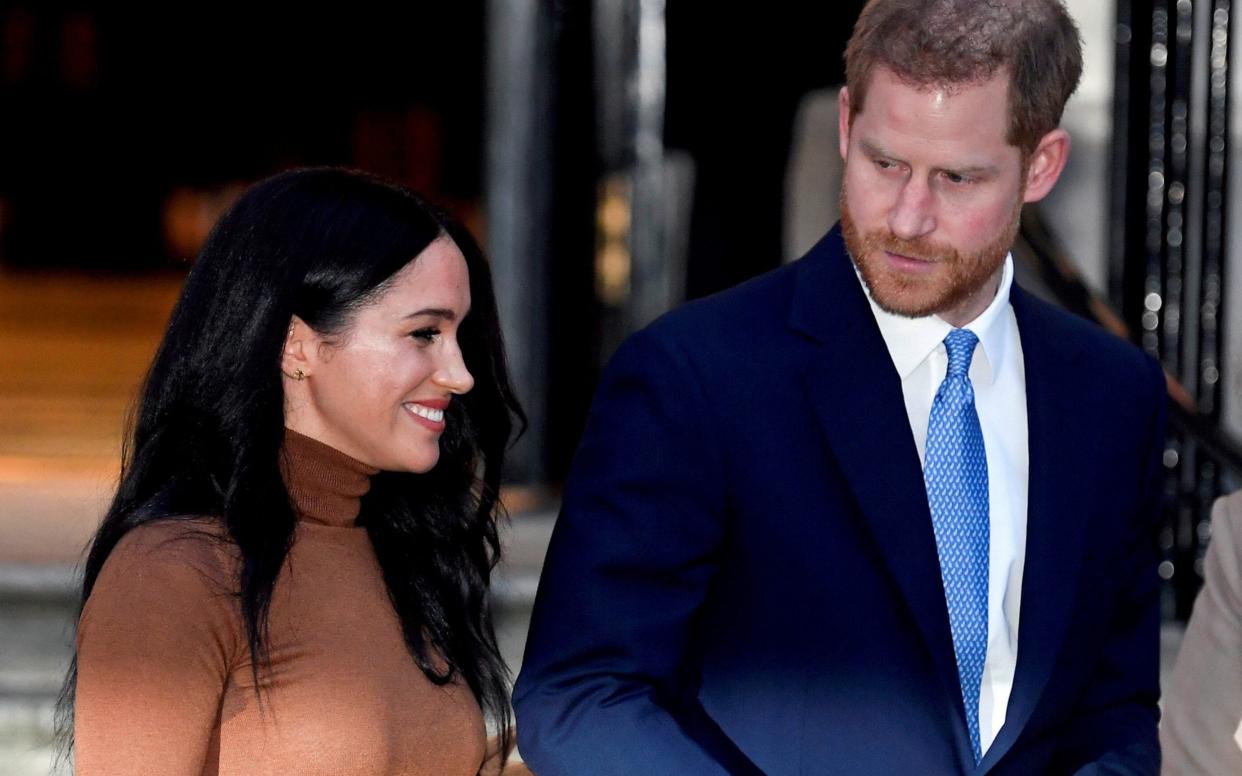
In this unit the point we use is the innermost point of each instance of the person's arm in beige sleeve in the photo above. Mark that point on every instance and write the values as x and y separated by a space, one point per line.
1203 700
155 642
492 765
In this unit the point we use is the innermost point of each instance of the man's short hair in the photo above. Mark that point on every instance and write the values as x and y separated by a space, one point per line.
954 43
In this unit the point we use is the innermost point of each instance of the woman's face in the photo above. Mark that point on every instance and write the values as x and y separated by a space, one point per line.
378 390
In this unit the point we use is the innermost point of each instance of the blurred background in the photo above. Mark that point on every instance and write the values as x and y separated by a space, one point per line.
616 157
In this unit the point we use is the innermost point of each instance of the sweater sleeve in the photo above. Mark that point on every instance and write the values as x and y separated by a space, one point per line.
1203 700
154 646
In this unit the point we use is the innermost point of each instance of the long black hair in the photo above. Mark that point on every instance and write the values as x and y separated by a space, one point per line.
207 431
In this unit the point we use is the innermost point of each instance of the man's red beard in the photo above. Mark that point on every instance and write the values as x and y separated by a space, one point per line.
955 277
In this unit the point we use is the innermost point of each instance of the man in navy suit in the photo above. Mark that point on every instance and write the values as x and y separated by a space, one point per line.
879 511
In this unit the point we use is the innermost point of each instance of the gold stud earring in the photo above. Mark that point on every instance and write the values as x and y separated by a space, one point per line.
299 375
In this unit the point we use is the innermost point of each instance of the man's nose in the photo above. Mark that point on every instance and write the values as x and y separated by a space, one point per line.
913 214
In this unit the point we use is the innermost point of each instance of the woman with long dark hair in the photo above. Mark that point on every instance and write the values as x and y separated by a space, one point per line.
293 575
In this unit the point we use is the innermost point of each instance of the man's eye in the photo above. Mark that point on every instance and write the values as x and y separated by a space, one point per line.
956 178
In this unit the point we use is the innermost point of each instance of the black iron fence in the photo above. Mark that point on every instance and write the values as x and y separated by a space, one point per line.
1201 461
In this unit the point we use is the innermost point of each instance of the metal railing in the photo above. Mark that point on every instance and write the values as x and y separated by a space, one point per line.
1201 460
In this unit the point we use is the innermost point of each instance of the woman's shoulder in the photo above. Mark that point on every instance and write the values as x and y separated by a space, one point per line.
190 533
157 639
183 557
201 542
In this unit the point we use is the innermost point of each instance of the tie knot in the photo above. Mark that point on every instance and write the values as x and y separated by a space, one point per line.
960 344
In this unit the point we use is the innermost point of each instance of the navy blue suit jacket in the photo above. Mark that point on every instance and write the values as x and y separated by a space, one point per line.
744 579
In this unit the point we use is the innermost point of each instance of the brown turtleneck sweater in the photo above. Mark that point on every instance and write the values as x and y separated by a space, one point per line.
164 674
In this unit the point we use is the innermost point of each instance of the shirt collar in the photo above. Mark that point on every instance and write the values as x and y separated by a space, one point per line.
911 340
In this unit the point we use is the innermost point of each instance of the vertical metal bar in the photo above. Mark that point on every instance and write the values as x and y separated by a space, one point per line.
1153 283
1176 266
1229 316
653 283
1207 365
1123 73
1196 195
518 206
1215 174
614 49
1163 132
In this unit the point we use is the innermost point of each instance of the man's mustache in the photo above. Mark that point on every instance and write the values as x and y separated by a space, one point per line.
923 250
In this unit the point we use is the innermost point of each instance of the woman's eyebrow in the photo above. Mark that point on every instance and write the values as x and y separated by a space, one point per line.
439 312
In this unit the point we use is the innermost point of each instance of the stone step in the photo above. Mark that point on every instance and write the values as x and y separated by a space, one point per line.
26 746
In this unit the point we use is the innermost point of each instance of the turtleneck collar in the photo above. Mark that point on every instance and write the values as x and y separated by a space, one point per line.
325 485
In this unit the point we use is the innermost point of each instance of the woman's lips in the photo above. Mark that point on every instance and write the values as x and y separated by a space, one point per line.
427 413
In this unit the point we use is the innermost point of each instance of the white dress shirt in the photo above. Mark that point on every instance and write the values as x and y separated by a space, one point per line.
916 346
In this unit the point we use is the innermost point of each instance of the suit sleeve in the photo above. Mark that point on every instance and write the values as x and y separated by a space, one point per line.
1203 705
154 644
629 564
1113 730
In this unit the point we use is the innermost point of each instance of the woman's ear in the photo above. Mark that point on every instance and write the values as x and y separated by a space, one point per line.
299 346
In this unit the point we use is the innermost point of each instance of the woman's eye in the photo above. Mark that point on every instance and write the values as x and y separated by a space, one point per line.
425 335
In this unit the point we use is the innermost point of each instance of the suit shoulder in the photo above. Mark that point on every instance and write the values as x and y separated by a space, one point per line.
759 303
1106 351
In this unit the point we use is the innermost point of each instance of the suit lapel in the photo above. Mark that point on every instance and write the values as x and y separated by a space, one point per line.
1062 440
856 393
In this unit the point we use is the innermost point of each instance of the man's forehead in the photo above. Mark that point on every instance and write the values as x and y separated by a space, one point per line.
918 108
940 87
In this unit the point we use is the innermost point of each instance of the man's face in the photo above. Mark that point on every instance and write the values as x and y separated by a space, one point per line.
932 194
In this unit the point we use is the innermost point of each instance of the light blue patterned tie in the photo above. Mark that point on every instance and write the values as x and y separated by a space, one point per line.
955 471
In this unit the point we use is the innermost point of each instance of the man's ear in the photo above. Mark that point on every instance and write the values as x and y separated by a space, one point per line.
295 359
843 120
1046 164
